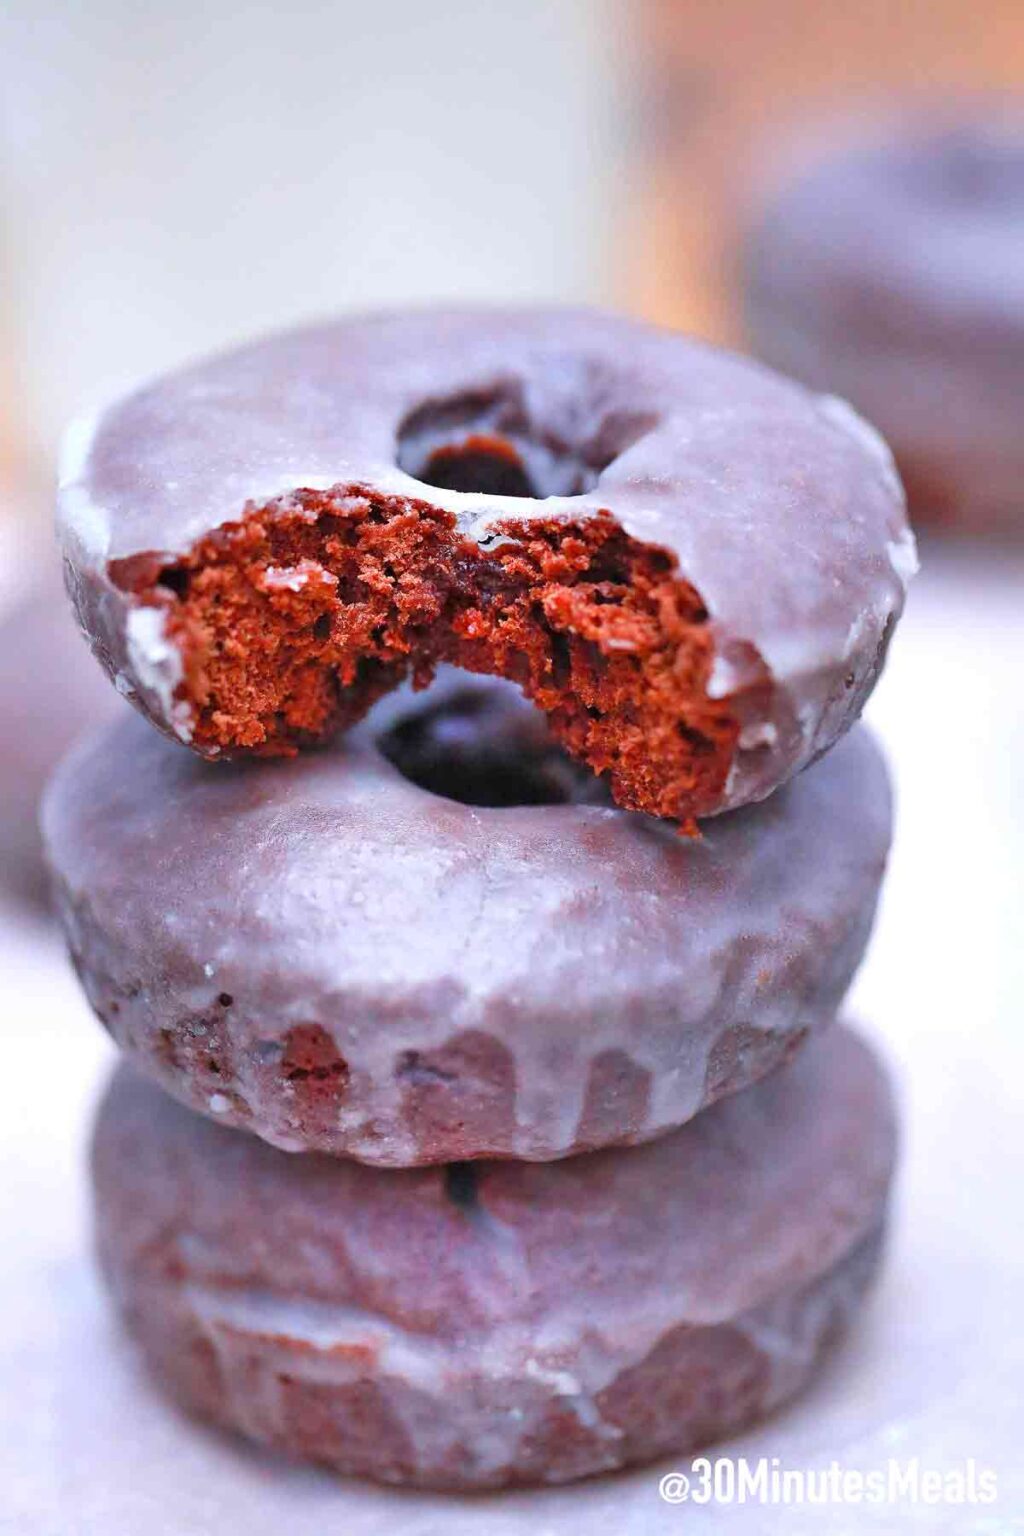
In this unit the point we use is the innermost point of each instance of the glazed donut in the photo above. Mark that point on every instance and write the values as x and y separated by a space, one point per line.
428 943
691 565
892 271
497 1323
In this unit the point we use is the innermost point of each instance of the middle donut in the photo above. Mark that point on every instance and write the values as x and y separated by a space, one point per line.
437 940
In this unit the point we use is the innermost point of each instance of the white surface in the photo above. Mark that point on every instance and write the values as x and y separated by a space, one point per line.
934 1370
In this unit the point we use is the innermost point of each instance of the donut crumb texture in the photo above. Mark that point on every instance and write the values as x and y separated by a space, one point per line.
294 619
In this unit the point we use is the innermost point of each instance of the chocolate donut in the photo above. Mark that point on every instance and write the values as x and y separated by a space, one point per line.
691 565
427 943
892 271
487 1324
51 690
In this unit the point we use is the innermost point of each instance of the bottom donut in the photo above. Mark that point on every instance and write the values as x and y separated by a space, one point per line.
491 1324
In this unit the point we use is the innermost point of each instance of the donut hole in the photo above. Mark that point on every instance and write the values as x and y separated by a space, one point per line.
461 1185
489 464
487 442
486 749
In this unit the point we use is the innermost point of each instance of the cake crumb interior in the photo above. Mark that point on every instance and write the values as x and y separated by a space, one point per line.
294 619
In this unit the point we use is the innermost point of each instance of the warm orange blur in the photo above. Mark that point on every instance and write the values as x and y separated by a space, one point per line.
716 83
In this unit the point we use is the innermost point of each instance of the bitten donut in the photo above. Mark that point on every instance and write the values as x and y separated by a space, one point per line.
425 944
691 565
496 1323
892 270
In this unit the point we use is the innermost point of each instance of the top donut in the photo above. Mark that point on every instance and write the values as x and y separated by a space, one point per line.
891 268
691 564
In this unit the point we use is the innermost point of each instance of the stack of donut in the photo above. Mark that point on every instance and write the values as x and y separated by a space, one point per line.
475 919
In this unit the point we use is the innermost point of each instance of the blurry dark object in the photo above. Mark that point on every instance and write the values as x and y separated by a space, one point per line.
713 81
891 272
51 690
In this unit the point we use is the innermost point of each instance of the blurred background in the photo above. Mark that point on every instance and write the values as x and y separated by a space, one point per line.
175 177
